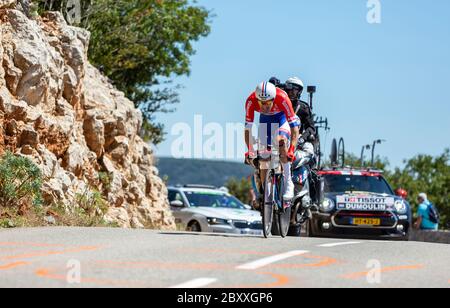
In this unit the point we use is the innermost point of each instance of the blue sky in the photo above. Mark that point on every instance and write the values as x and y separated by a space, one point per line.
389 80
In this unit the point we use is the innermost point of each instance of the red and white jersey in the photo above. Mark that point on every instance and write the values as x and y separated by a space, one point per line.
282 104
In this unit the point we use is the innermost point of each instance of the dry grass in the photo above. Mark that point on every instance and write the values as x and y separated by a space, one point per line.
36 217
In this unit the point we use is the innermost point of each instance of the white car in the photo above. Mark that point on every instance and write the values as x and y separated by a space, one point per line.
200 208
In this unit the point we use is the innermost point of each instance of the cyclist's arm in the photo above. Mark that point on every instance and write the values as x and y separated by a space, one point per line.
295 135
249 119
247 140
293 119
307 121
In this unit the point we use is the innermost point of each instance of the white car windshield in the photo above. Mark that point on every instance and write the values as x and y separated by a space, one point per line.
214 200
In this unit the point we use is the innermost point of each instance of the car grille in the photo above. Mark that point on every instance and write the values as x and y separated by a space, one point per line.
244 225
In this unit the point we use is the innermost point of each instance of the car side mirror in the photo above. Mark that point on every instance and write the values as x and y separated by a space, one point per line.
247 207
177 203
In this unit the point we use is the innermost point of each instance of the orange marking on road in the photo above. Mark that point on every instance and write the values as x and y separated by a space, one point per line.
324 261
48 274
383 270
280 281
160 265
8 249
29 244
12 265
49 253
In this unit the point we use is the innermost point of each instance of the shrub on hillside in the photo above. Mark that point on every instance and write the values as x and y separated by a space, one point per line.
20 182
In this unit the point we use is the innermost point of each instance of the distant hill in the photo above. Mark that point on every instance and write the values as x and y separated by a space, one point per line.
194 171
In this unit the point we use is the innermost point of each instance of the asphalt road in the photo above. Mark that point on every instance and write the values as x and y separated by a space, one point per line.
47 257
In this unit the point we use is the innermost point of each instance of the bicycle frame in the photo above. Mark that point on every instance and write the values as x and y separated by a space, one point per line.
272 189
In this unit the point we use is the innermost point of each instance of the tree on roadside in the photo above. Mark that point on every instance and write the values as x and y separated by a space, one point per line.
425 173
240 189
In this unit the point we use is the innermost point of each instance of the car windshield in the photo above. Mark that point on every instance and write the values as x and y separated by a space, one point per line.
355 183
215 200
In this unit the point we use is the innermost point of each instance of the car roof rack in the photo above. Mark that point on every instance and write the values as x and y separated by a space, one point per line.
375 170
350 168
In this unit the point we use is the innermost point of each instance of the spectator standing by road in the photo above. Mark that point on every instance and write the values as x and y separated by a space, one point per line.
427 216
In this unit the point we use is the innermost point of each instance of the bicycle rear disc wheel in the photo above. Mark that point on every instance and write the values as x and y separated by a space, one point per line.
284 222
283 215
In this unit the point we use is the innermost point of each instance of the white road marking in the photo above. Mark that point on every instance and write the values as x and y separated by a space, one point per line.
266 261
338 244
196 283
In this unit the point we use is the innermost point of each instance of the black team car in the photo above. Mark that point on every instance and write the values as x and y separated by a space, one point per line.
360 204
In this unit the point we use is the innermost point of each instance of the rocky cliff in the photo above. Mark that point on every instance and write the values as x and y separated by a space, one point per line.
58 110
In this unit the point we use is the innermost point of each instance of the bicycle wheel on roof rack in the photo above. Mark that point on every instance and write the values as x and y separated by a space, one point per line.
317 152
334 153
341 153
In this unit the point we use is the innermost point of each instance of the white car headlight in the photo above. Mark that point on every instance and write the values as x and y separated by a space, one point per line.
400 207
327 205
217 221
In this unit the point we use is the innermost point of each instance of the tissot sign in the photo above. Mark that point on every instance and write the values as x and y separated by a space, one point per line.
364 203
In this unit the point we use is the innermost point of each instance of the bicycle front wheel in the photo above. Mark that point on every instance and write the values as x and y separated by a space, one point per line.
269 198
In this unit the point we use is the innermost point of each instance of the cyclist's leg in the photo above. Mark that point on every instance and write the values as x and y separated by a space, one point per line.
284 140
255 192
265 133
283 137
263 176
283 144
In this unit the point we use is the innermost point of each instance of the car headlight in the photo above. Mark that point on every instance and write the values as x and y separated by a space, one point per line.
218 221
327 205
400 207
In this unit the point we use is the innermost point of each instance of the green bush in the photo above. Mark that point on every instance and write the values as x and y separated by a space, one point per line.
20 182
240 189
92 203
425 173
105 180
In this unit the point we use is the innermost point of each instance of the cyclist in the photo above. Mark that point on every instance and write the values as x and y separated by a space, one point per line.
279 123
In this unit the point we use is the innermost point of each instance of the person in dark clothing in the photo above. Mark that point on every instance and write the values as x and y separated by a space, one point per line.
276 82
294 88
308 127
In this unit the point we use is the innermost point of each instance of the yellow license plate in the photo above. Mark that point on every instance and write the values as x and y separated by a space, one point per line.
366 222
